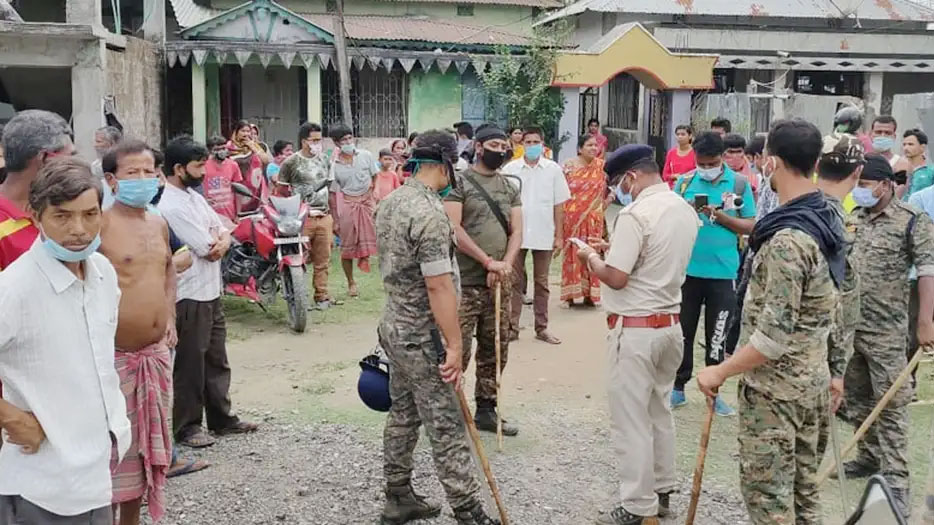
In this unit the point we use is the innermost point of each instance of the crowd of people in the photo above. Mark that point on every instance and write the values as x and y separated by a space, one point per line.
810 256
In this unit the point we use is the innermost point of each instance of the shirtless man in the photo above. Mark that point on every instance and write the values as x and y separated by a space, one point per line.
137 244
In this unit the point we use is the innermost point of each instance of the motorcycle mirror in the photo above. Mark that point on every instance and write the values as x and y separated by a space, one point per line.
877 506
241 189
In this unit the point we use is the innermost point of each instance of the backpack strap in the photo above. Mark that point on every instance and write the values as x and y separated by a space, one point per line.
685 182
497 212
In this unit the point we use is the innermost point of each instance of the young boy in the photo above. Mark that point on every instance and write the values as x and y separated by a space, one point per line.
387 179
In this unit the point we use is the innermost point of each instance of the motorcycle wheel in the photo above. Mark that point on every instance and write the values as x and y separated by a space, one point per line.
295 291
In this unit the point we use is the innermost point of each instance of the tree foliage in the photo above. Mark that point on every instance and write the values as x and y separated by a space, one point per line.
520 83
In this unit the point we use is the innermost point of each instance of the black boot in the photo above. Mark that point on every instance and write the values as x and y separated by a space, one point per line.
473 515
485 419
404 505
664 504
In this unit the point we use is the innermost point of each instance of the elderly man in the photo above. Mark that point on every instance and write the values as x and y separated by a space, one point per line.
29 139
64 416
641 282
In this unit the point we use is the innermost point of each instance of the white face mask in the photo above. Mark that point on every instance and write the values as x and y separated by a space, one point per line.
709 174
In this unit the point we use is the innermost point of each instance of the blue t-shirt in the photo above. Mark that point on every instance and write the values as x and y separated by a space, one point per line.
716 252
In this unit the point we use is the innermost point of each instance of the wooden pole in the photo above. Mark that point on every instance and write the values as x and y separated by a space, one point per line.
699 467
343 68
484 462
499 370
861 431
841 475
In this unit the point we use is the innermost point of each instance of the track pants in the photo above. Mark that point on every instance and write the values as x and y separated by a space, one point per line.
719 299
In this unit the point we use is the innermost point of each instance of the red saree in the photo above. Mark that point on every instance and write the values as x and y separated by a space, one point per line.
583 218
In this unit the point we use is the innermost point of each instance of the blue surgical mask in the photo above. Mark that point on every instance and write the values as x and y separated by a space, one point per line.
709 174
63 254
137 193
348 149
534 152
623 198
864 198
883 143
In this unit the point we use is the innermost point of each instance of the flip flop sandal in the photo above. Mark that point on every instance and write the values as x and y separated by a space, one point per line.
190 466
548 338
240 427
197 440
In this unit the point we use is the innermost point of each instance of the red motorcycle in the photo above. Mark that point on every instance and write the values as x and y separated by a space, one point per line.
267 254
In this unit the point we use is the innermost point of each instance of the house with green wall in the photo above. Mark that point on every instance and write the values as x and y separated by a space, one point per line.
413 63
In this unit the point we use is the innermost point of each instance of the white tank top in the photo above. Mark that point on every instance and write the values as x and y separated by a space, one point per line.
894 160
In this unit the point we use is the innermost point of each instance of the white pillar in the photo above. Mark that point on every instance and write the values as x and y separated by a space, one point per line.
570 122
313 89
680 113
872 95
199 120
87 96
603 104
154 20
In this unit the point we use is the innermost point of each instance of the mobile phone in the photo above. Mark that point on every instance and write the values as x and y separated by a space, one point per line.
700 200
577 242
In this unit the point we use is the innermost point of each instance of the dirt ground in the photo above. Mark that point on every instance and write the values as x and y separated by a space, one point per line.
560 469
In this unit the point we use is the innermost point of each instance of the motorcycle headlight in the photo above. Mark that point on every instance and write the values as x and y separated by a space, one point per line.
290 226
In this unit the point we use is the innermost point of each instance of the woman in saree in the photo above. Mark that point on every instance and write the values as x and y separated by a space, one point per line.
583 218
252 160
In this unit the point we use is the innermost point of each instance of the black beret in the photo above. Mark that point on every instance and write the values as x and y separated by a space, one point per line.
624 157
877 167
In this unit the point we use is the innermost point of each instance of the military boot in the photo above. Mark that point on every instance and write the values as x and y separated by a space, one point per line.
404 505
621 516
473 515
485 419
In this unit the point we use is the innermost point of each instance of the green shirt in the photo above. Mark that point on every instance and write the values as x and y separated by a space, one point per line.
479 221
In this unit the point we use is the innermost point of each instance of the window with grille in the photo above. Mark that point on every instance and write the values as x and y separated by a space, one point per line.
464 10
330 6
379 101
623 102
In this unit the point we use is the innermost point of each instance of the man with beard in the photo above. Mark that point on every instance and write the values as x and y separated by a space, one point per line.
202 374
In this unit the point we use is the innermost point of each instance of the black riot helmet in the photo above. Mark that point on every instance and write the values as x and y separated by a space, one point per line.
848 120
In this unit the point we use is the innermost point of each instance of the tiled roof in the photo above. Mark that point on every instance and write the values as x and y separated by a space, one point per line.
188 13
863 9
418 29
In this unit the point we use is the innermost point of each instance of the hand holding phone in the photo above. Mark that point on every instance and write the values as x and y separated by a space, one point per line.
700 200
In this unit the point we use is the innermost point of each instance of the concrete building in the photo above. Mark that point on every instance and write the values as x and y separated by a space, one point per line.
413 63
62 57
789 55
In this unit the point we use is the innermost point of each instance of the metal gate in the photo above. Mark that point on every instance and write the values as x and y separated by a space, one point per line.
659 115
589 108
379 100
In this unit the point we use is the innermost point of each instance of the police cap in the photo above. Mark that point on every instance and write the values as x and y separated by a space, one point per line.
624 158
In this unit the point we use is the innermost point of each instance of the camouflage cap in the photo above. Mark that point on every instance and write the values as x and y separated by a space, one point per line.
847 150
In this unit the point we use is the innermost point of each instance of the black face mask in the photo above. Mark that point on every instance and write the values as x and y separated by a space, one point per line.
155 200
493 159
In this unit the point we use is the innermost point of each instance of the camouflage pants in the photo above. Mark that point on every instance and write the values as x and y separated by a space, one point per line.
878 359
778 451
419 397
478 316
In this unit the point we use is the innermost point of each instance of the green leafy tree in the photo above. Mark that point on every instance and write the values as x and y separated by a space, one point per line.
520 83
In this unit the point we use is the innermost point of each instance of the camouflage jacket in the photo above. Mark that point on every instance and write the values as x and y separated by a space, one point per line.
788 315
885 251
415 240
840 345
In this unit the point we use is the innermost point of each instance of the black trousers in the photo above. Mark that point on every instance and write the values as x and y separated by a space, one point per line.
718 298
202 373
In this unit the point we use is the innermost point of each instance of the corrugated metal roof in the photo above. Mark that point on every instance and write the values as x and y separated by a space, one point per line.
188 13
418 29
863 9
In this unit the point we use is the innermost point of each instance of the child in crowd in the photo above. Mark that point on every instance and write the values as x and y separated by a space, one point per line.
387 179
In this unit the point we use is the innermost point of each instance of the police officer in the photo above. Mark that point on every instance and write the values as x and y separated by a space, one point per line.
641 282
420 274
787 319
890 237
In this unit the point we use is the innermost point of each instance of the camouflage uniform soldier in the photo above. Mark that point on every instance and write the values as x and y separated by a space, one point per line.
890 237
787 320
485 209
416 255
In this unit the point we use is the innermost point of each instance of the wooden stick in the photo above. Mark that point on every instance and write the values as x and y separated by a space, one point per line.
841 474
499 370
861 431
484 462
699 467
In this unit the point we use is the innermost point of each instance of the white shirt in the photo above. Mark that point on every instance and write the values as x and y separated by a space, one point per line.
57 361
543 188
193 221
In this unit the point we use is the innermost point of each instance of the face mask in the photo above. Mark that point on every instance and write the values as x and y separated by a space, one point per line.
864 198
137 193
191 182
493 159
534 152
621 196
63 254
220 155
315 148
709 174
883 143
767 173
348 149
155 200
735 161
